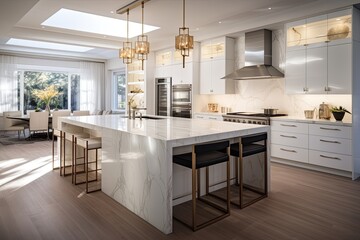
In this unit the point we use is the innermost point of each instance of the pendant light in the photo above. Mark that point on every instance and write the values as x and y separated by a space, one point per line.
127 53
184 42
142 46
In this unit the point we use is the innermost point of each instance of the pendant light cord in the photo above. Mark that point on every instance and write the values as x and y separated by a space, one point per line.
127 25
142 18
183 13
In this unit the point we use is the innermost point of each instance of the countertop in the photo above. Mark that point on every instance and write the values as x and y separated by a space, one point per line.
314 121
211 113
167 128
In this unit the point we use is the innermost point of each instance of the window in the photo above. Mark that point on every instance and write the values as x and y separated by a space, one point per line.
119 84
39 80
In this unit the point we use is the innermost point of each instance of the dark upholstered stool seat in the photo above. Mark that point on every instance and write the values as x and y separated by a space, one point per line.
248 146
205 155
202 160
248 150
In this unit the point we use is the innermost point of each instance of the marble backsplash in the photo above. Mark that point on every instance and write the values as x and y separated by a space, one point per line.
254 95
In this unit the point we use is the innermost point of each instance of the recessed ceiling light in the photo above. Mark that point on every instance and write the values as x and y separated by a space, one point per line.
47 45
269 8
86 22
338 19
111 12
220 22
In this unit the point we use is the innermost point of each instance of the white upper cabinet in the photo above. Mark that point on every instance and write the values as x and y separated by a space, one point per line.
217 60
318 54
169 63
339 68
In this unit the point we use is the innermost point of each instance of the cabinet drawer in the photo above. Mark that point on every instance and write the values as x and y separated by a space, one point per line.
330 131
290 153
209 117
293 127
333 145
290 139
331 160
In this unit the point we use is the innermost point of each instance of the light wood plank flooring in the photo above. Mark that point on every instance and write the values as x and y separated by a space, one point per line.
36 203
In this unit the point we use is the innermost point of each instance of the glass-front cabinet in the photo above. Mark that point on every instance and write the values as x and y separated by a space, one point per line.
320 29
318 54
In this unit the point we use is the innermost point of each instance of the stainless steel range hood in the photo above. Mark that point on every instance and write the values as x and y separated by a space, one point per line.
258 58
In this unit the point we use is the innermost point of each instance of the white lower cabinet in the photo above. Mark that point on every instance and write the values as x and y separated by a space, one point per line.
331 160
290 153
323 145
208 116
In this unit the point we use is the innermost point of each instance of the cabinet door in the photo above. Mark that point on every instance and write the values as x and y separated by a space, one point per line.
295 72
205 77
316 69
217 72
176 72
163 71
187 73
339 69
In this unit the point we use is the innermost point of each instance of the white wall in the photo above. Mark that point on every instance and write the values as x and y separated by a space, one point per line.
253 95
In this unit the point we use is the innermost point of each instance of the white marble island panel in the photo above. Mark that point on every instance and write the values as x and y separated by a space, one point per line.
137 157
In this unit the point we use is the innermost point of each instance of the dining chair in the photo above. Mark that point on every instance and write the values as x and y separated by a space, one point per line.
14 124
81 113
57 133
39 121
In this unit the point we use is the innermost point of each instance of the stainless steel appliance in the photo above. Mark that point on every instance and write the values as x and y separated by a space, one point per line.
250 117
163 95
181 100
258 66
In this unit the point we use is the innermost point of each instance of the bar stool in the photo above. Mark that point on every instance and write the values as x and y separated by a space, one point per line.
247 146
57 133
71 138
205 155
88 144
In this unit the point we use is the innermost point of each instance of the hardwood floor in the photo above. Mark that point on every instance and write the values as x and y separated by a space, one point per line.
36 203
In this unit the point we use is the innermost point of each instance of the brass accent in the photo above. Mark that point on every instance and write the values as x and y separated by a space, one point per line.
131 6
184 42
142 46
127 53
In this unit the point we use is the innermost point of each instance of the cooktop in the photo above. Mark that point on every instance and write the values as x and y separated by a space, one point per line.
252 114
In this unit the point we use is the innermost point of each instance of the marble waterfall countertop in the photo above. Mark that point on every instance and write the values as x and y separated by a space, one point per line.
136 158
169 129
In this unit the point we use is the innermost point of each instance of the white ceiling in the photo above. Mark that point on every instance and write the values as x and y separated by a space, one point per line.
23 18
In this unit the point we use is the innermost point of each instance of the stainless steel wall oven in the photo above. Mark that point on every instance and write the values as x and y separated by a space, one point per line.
181 100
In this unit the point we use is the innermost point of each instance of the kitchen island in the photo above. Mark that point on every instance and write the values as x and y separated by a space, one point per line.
137 168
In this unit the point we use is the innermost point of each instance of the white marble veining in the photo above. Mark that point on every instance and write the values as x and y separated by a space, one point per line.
137 168
254 95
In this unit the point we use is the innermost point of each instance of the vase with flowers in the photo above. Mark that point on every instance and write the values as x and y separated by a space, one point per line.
46 95
131 103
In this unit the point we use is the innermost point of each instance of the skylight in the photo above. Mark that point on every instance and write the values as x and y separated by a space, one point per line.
47 45
86 22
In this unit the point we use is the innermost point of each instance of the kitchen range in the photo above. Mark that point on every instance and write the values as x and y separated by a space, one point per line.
250 117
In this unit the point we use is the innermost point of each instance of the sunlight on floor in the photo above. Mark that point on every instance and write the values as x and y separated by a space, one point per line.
16 173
